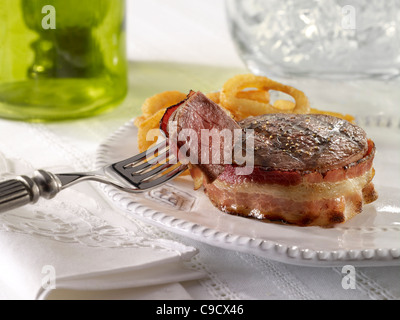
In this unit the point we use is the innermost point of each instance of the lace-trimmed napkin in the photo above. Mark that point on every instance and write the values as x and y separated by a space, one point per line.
77 244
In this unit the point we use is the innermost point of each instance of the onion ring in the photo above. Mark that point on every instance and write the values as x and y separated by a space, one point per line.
161 101
230 100
151 123
347 117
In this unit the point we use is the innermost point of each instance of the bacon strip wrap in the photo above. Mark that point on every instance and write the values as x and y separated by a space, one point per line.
298 198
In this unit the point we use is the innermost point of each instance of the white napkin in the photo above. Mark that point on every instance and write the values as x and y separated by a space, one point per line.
77 245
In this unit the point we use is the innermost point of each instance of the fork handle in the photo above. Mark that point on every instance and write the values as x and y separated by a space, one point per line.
24 190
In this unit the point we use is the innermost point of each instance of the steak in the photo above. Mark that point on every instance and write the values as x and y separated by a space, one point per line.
309 170
305 142
199 113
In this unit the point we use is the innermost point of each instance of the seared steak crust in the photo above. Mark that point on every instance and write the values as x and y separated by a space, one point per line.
319 142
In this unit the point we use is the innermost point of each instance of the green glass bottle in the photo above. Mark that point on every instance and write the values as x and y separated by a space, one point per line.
61 59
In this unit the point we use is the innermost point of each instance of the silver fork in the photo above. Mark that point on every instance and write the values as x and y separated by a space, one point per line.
137 174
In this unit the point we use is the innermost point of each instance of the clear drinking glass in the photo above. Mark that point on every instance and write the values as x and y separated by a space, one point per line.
61 59
319 38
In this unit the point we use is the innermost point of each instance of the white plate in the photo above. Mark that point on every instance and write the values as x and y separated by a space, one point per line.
370 239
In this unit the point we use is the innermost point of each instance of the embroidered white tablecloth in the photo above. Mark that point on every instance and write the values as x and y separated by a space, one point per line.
93 249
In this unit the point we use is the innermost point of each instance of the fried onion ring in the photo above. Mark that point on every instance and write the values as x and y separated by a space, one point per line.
214 96
151 123
347 117
245 107
161 101
255 95
153 109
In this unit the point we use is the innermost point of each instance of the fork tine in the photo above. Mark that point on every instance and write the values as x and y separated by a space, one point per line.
148 164
162 179
150 168
141 156
136 178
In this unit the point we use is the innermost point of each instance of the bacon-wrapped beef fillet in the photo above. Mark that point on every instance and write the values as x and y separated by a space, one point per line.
309 170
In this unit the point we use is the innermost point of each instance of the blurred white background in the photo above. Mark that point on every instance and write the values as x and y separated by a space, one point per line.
186 31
